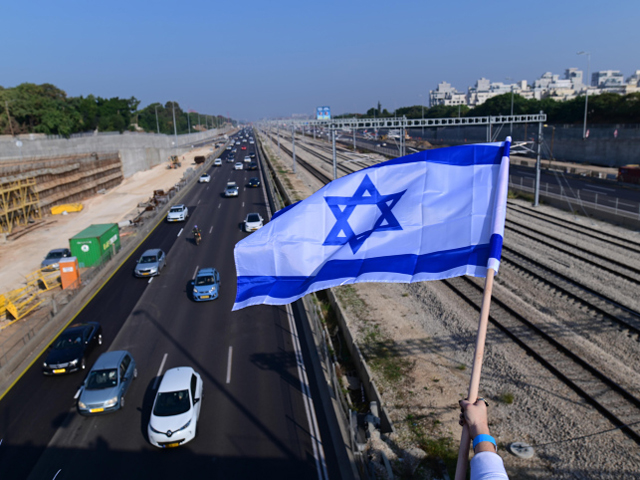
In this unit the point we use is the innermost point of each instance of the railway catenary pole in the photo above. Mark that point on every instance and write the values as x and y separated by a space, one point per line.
278 140
335 162
354 139
157 123
293 143
536 195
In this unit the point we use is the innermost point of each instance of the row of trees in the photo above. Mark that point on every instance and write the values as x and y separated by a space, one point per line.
604 108
30 108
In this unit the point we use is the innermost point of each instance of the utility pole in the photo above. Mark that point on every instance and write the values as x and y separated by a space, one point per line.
335 162
293 142
354 138
536 195
175 128
189 122
157 123
586 96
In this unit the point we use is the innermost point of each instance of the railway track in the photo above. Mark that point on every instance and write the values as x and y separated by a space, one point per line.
582 229
612 400
632 274
601 305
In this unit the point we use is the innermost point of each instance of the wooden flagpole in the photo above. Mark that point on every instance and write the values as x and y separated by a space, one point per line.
474 383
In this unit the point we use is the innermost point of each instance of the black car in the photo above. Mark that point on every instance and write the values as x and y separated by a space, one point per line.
254 182
70 350
252 166
252 154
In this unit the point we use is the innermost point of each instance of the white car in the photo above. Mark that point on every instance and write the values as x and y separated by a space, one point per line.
238 166
253 222
217 162
247 159
251 142
178 213
204 178
176 408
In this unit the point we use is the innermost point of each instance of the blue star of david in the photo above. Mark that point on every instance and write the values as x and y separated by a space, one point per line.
365 194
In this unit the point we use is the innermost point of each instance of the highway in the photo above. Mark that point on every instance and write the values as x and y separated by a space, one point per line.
255 421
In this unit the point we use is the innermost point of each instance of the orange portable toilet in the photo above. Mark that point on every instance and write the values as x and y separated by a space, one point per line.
69 272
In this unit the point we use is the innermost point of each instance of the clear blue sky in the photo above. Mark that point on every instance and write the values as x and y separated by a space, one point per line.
258 59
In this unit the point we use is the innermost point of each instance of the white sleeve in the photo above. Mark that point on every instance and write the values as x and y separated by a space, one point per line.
488 466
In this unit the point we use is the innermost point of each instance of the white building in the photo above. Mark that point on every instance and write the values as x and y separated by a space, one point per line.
445 94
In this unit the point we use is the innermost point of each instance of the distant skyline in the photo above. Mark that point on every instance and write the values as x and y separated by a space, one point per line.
269 59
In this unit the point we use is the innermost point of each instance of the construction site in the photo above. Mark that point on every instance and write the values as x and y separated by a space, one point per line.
46 200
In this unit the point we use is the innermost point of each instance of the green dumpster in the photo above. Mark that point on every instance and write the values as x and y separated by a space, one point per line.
95 244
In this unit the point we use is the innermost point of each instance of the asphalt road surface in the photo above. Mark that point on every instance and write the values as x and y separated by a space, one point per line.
255 420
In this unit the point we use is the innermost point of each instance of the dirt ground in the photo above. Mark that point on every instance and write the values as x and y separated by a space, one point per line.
22 256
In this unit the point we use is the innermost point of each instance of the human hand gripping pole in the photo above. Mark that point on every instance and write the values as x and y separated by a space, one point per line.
474 383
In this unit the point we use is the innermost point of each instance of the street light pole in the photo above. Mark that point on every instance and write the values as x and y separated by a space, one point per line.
511 123
422 104
175 129
157 123
586 96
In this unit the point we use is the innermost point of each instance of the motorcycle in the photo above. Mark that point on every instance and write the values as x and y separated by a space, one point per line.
197 237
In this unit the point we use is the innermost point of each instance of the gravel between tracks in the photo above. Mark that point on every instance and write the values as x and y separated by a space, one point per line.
432 333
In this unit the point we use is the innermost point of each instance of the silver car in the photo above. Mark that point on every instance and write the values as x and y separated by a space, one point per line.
150 263
231 190
53 257
106 384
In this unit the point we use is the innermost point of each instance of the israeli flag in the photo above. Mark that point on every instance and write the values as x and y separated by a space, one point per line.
428 216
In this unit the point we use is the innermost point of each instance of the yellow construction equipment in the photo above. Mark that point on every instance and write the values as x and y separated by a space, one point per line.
67 207
174 162
18 303
19 204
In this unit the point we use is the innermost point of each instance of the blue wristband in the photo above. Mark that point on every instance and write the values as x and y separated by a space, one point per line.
484 438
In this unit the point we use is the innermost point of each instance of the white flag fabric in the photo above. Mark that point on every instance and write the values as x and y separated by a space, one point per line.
427 216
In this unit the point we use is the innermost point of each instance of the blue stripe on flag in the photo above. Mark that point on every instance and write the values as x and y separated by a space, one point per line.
432 263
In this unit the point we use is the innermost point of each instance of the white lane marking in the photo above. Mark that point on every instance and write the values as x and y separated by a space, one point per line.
242 204
219 205
211 229
316 441
199 202
164 359
151 280
54 477
75 397
194 272
180 231
229 364
602 188
594 191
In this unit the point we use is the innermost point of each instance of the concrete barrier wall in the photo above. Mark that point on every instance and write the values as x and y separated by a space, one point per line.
608 145
138 151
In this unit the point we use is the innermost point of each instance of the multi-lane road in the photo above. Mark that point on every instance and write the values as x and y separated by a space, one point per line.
257 420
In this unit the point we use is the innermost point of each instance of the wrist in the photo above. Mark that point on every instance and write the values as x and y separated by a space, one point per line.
481 429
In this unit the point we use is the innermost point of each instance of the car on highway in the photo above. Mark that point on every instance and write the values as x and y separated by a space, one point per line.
206 285
69 351
243 147
254 182
176 408
238 166
231 158
253 222
150 263
50 262
178 213
204 178
229 147
232 189
107 383
245 140
251 142
252 155
252 166
217 162
238 143
234 150
247 159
